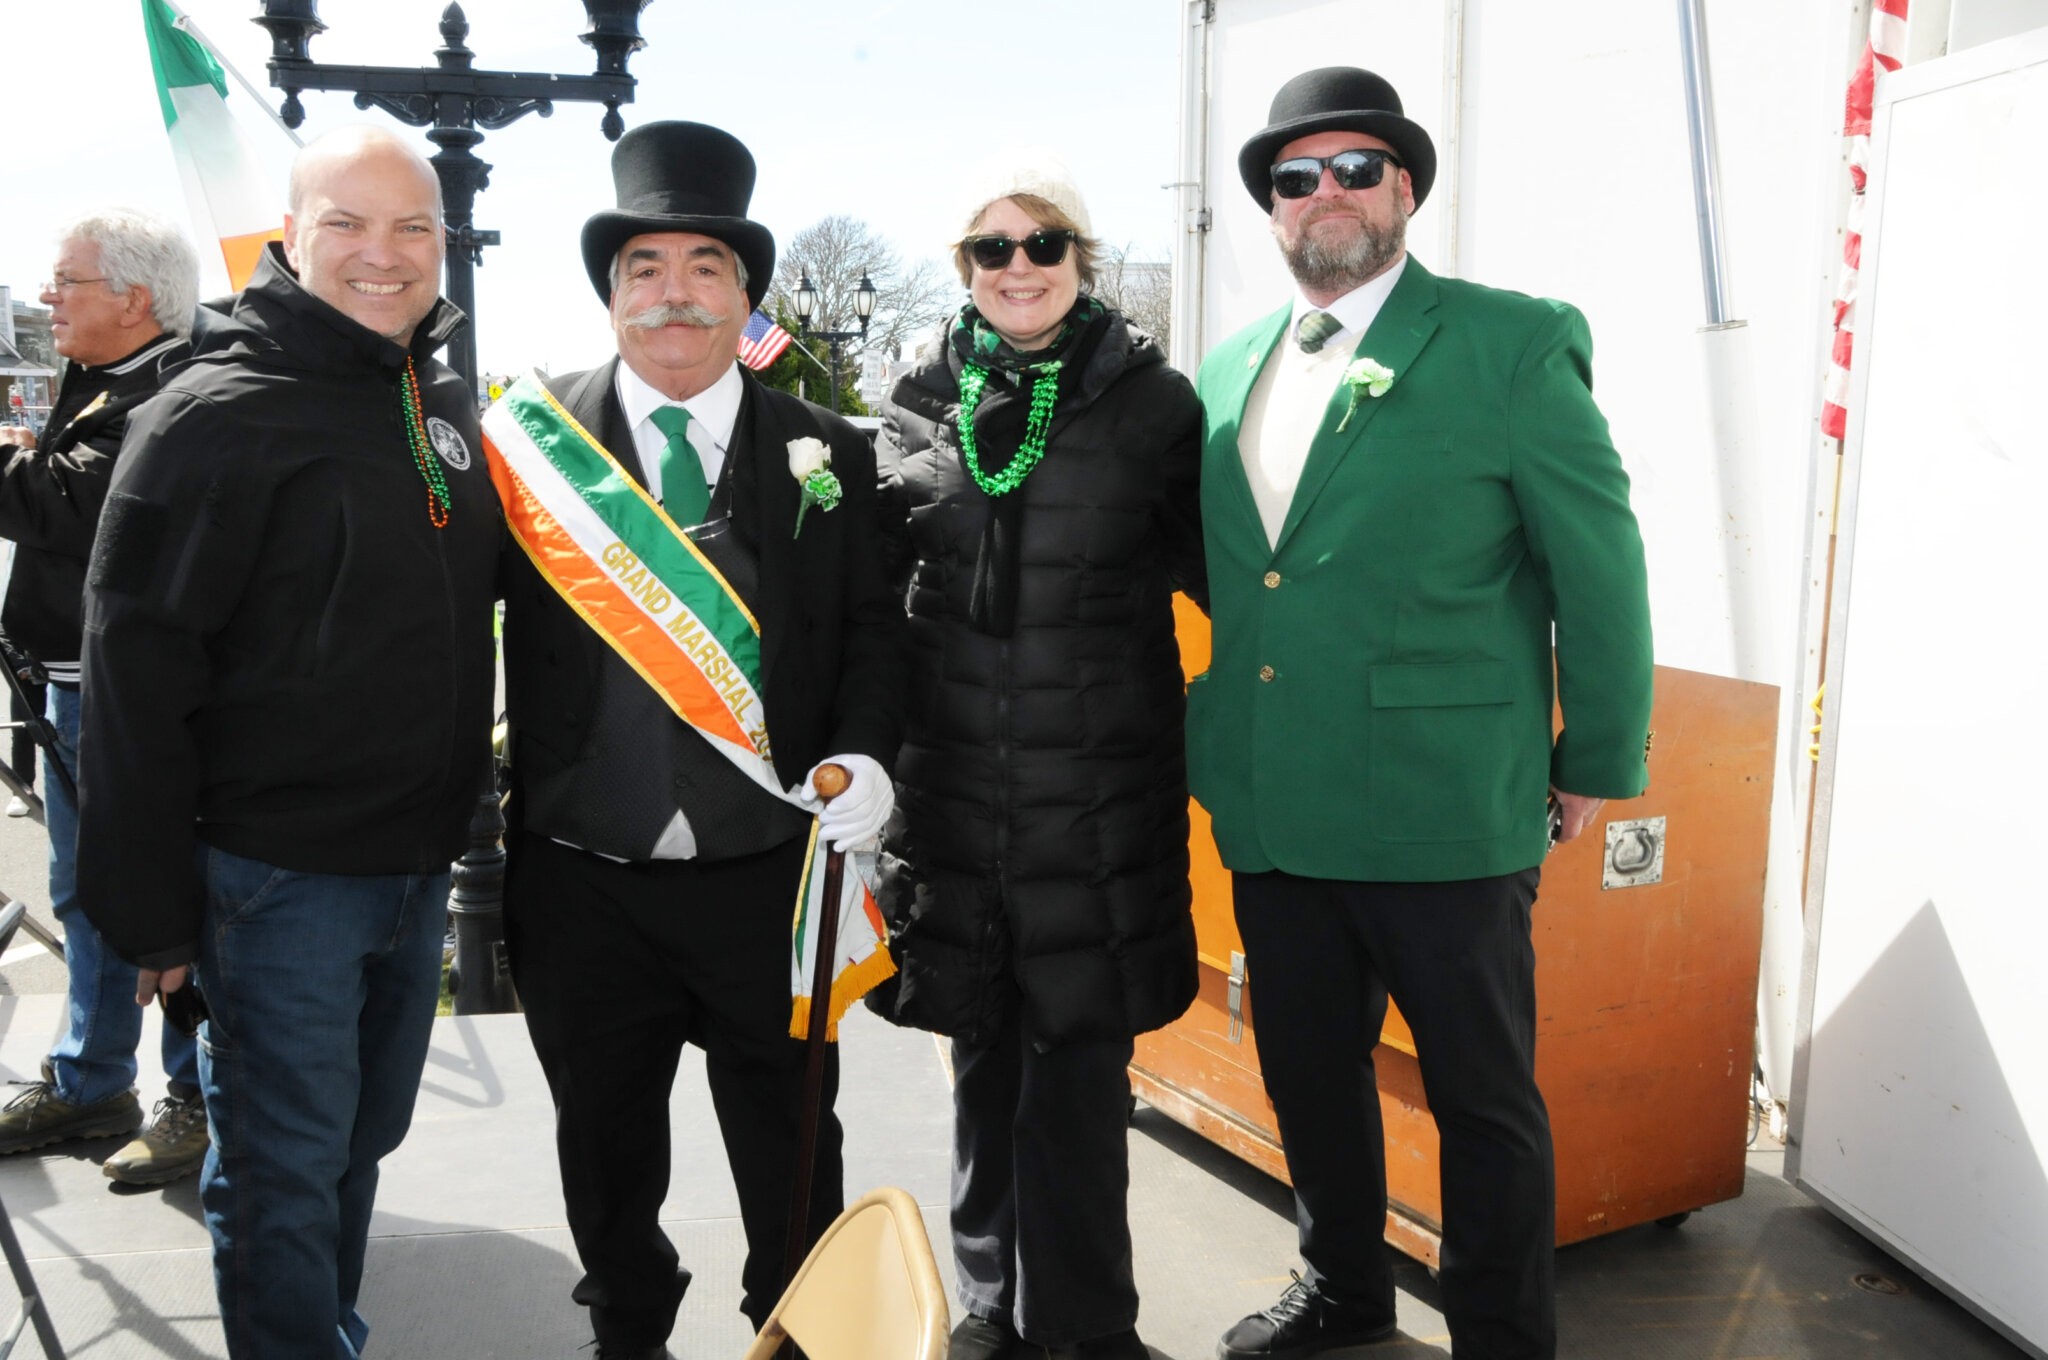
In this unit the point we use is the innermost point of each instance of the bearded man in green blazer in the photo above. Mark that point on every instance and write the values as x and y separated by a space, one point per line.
1409 500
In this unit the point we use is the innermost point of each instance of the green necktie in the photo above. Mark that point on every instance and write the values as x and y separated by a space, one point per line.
1314 329
683 493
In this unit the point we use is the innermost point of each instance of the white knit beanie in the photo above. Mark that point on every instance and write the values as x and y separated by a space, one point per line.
1025 170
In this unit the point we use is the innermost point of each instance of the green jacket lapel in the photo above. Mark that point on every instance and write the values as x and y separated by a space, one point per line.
1396 337
1235 376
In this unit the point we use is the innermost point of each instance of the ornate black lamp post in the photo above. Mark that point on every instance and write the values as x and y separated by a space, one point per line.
455 103
863 307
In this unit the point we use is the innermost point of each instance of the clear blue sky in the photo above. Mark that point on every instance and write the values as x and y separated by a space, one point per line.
872 109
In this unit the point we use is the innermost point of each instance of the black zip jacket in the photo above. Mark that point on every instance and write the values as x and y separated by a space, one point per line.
1037 862
50 497
284 659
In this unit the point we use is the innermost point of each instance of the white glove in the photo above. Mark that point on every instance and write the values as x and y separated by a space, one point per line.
856 816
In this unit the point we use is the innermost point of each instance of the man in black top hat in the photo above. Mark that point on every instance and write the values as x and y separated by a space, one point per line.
650 885
1420 458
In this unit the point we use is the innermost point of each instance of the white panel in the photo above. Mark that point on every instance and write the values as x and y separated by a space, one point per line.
1573 182
1972 22
1923 1113
1260 44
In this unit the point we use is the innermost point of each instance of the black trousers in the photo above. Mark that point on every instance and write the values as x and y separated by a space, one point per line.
1041 1176
619 965
1323 957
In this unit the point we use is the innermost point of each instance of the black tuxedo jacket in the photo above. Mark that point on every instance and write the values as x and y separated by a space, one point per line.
831 633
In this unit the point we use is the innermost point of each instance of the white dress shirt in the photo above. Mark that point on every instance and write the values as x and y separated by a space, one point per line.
1287 403
712 413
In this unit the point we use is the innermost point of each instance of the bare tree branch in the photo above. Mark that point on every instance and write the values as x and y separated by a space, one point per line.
834 252
1141 289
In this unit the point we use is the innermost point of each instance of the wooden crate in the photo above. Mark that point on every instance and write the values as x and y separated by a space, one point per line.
1646 995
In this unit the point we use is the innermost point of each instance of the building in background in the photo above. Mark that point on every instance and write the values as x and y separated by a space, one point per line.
28 361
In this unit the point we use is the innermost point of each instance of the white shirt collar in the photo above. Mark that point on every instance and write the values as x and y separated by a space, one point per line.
1356 309
712 411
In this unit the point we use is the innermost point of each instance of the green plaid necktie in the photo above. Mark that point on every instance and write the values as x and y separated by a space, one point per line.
683 492
1314 329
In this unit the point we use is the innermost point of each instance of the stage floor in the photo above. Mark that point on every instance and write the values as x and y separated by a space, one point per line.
469 1256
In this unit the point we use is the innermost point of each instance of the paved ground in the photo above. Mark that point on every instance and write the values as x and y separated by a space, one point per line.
27 969
470 1258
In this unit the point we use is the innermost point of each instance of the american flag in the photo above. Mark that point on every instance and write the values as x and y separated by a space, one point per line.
1885 51
762 342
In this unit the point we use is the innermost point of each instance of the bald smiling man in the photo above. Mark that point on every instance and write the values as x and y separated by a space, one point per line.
287 718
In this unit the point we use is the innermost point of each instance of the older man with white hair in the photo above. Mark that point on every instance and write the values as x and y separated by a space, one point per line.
121 297
287 716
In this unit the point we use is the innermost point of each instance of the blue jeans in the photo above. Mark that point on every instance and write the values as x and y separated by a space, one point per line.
95 1058
322 991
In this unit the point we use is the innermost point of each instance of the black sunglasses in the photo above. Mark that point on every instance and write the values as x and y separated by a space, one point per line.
1044 248
1298 176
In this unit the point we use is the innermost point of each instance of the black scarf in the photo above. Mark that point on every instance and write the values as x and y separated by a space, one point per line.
999 423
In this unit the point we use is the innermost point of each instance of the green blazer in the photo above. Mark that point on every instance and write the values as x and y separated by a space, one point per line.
1378 704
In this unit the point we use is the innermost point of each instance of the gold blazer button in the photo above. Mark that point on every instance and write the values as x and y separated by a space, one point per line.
1272 580
1265 672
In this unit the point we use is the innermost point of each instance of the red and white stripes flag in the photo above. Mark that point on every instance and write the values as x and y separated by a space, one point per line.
1886 48
762 342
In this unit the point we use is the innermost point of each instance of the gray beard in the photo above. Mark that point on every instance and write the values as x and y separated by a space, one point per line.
1339 266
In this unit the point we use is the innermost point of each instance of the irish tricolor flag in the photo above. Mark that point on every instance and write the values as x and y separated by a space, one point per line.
231 198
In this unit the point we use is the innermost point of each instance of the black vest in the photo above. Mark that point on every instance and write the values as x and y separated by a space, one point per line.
639 764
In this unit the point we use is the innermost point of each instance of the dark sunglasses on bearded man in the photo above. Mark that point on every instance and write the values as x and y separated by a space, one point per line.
1298 176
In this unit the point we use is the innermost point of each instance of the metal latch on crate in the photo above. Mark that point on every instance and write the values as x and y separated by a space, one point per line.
1235 997
1635 853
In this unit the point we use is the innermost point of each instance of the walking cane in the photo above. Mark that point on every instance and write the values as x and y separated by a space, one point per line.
830 781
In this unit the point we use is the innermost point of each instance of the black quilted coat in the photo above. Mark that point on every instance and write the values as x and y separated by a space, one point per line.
1038 854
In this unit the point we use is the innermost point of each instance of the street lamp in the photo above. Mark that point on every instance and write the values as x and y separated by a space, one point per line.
863 307
452 101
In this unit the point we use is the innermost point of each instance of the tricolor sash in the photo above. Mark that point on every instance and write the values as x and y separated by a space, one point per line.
633 575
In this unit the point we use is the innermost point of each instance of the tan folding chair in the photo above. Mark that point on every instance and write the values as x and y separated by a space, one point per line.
869 1290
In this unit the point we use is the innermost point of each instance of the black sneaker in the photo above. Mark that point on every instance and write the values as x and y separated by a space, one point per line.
1304 1322
980 1338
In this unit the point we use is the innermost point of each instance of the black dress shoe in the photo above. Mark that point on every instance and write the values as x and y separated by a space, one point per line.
634 1353
1304 1322
1122 1345
980 1338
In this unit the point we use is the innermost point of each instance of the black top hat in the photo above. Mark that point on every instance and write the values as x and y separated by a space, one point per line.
680 177
1334 99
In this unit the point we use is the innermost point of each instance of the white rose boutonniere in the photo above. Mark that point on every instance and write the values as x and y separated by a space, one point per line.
810 462
1365 378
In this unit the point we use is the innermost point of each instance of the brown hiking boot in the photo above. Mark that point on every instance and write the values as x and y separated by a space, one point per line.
39 1116
173 1145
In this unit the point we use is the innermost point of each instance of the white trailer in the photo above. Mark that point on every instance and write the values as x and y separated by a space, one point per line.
1569 167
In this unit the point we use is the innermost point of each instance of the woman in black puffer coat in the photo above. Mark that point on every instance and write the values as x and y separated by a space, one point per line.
1035 874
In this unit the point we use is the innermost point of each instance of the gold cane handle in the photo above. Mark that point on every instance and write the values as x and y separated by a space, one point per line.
830 781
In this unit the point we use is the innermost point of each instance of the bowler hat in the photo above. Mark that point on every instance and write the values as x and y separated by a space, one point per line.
676 176
1336 99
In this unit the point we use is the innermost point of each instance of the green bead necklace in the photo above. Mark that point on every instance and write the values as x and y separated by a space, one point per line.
422 448
1044 391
